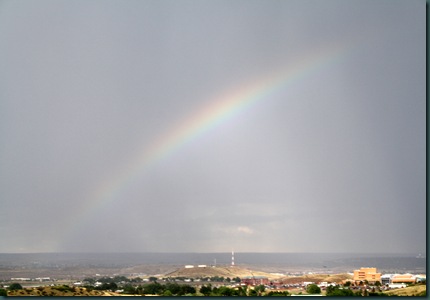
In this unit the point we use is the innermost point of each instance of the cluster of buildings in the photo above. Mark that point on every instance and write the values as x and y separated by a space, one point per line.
362 276
255 280
395 280
31 279
402 278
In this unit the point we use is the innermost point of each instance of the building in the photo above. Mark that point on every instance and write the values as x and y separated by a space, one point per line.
386 279
397 285
255 280
403 278
306 283
369 274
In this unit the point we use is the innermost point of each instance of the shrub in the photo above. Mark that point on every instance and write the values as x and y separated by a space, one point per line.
174 288
206 290
187 289
276 293
15 286
225 291
64 288
313 289
153 288
336 291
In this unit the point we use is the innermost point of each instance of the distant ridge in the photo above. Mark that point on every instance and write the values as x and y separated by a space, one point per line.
201 272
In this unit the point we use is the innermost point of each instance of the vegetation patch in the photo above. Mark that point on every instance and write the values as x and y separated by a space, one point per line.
415 290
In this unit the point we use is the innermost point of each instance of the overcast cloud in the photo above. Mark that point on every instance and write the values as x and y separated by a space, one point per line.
332 162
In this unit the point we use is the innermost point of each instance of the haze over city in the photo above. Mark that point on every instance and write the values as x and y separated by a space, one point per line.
208 126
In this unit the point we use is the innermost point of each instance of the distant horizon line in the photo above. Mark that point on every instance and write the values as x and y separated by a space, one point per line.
215 252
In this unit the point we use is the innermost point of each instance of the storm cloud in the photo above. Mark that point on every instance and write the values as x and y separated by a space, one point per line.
332 160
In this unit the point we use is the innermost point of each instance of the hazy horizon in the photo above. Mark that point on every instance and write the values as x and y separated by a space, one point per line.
223 252
286 262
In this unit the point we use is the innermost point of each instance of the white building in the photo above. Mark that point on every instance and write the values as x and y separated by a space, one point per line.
386 278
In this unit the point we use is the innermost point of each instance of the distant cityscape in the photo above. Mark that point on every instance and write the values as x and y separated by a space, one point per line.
216 279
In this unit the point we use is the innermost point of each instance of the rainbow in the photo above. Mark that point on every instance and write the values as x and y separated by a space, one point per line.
219 111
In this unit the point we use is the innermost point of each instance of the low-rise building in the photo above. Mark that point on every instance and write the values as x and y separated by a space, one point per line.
403 278
306 283
386 279
369 274
325 284
397 285
43 279
255 280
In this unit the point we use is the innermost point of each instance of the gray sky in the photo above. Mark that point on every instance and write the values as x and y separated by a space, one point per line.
333 160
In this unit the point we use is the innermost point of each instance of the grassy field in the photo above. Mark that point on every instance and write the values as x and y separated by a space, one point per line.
218 271
317 278
59 291
407 291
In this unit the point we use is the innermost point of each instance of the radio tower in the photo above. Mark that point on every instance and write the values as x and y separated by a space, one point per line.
232 258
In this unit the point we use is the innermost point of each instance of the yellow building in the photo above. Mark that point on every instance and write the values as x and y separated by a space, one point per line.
369 274
403 278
